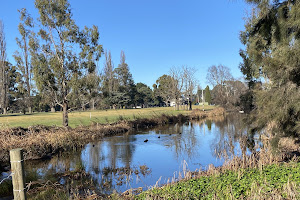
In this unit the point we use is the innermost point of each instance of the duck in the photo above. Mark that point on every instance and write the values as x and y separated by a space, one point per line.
146 140
158 137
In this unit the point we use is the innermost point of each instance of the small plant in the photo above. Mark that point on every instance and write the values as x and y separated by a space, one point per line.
121 117
106 120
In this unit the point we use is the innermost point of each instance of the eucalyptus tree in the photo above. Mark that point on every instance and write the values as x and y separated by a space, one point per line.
89 81
62 48
23 58
3 71
271 63
86 91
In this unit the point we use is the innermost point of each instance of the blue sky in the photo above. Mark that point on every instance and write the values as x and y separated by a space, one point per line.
154 34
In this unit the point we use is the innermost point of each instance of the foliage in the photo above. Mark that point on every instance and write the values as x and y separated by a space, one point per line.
4 79
144 95
118 86
54 57
23 59
271 64
228 95
207 95
163 88
242 184
226 90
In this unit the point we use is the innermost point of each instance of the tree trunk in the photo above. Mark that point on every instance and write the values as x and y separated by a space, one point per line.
190 103
93 104
65 114
177 105
29 110
4 111
53 109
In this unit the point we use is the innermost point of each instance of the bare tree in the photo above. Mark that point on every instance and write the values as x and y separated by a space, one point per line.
3 71
217 75
182 84
189 83
176 84
227 90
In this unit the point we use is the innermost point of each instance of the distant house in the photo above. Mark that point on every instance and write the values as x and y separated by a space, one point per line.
172 103
205 103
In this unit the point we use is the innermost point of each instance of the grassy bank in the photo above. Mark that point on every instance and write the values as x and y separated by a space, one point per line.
44 141
276 181
87 117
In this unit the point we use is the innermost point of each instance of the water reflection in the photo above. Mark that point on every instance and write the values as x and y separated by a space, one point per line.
124 162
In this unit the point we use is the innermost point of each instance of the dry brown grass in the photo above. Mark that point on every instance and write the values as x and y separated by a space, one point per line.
39 142
200 114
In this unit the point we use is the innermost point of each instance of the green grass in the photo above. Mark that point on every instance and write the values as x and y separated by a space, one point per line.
272 182
83 118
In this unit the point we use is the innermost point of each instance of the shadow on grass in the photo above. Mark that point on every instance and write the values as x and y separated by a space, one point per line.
21 114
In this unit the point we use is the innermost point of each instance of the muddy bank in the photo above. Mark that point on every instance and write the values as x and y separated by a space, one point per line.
41 142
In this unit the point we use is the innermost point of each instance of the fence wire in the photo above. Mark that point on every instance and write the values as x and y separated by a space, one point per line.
8 177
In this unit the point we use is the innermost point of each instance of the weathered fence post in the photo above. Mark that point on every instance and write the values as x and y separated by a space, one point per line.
18 178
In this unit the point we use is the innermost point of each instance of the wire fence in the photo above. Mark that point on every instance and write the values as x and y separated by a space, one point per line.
6 178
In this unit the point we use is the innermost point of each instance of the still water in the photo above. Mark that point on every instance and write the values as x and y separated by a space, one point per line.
155 156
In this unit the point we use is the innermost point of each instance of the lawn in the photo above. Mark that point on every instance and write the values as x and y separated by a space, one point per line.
87 117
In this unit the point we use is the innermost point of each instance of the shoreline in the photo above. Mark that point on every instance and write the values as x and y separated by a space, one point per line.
39 142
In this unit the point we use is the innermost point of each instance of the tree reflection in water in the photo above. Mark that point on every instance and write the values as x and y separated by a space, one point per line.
233 137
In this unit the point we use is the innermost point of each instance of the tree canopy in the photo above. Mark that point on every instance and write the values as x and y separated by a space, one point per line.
271 63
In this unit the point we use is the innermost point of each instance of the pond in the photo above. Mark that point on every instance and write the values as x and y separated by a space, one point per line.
145 158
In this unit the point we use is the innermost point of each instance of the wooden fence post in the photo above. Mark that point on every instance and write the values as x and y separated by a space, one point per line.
18 178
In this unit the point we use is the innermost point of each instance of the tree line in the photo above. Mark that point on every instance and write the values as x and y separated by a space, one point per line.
56 69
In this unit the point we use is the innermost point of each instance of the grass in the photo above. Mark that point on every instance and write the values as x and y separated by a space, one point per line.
86 118
272 182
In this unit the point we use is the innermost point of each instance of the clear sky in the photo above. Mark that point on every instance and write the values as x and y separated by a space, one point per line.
154 34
